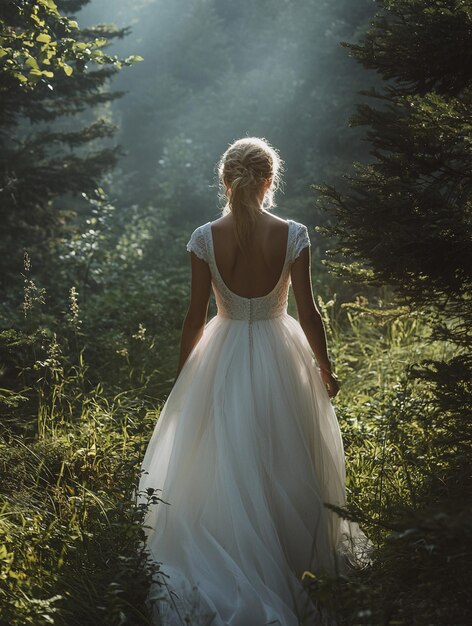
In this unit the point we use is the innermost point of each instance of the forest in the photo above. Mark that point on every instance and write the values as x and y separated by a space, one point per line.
112 118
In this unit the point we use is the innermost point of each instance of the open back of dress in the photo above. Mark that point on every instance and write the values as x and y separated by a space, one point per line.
246 451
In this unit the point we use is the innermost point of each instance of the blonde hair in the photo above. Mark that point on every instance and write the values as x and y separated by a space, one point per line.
243 170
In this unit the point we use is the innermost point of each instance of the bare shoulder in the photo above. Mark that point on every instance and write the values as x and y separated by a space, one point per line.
221 222
274 219
273 223
277 229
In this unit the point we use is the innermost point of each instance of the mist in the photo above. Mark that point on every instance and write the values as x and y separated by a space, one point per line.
214 71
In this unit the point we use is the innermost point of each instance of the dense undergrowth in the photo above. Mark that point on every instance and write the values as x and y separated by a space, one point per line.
70 455
71 548
408 462
69 524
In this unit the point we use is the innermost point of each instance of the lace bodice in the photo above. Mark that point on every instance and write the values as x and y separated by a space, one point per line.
230 304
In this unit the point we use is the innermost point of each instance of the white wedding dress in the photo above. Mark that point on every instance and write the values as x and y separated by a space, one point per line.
245 453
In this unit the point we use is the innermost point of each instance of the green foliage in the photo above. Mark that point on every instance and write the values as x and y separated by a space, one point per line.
404 25
37 42
29 48
405 217
50 69
407 466
70 528
403 221
123 262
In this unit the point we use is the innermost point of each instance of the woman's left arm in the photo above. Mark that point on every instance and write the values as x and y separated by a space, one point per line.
195 318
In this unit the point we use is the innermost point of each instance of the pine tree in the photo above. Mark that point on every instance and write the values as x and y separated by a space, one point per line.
404 220
52 74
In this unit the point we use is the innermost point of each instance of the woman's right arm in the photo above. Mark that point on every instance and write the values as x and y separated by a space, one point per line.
310 318
195 318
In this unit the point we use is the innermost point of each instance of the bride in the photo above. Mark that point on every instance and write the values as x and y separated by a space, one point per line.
247 449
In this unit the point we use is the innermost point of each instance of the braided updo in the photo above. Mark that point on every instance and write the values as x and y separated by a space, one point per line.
243 171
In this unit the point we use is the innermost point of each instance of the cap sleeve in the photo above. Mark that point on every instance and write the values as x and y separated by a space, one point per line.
196 244
302 240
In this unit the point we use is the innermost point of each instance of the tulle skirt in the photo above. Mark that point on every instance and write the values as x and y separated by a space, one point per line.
245 453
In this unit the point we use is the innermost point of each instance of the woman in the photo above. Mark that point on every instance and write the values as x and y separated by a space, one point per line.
247 448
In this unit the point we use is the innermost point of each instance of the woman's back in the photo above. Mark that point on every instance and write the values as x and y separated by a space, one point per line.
256 274
272 291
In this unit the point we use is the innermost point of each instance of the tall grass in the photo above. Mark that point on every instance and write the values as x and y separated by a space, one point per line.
396 468
70 529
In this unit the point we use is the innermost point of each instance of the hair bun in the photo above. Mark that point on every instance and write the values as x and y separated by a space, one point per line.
243 171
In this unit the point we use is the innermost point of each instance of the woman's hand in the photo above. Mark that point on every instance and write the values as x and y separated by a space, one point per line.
330 381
